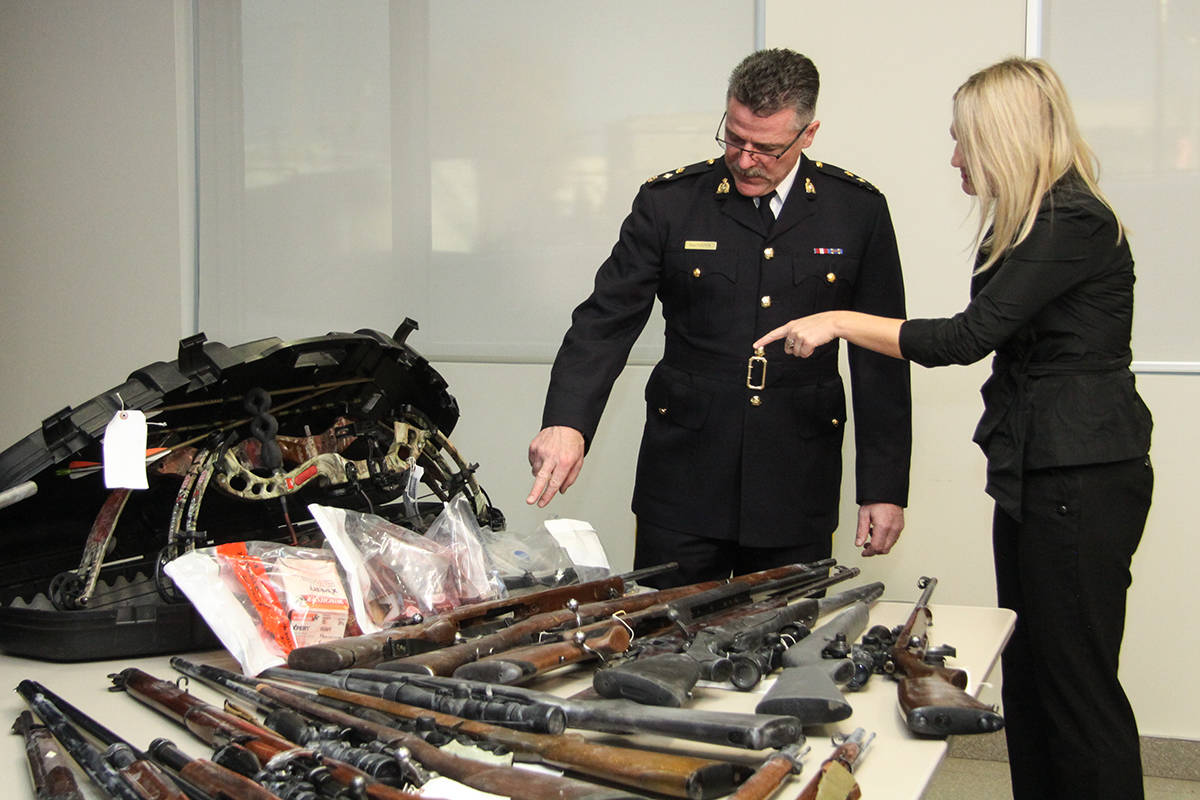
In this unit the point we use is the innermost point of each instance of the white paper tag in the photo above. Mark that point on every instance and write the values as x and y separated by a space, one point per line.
125 451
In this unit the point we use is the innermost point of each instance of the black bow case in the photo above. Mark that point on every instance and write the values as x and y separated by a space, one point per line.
240 441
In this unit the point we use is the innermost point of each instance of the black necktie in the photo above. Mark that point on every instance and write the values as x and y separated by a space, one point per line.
764 210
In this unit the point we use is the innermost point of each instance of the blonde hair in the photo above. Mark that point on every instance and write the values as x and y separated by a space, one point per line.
1018 137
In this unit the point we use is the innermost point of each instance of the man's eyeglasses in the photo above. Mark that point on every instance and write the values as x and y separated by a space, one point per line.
751 152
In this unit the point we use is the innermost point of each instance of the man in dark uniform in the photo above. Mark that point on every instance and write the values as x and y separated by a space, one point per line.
740 464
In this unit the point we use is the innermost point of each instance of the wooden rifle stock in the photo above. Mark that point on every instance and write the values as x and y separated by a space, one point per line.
48 767
933 697
522 664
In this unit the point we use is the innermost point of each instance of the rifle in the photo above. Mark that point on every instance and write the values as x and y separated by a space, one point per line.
447 659
674 775
124 756
807 685
752 731
507 781
768 777
216 727
442 629
678 776
932 696
836 781
91 760
51 774
749 644
613 634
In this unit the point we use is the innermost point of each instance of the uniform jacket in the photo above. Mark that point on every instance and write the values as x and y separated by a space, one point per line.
1058 311
718 458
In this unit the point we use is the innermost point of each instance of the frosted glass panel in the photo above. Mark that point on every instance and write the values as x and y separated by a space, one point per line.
465 164
1133 72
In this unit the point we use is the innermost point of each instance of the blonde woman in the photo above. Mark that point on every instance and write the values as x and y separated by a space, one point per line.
1065 433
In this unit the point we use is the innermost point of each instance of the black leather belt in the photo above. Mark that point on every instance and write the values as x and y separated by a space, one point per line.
755 371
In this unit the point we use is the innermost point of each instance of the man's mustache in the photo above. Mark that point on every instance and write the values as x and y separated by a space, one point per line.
753 172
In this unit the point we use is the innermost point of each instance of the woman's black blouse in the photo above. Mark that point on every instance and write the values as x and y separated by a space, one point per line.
1058 312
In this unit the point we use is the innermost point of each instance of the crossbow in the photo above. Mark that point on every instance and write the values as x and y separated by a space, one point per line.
381 464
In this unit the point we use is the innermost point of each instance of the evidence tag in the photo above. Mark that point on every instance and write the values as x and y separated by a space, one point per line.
125 450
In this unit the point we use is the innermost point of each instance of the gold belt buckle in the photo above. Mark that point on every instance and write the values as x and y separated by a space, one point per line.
761 360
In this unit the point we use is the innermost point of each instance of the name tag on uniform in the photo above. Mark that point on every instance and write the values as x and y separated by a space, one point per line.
694 245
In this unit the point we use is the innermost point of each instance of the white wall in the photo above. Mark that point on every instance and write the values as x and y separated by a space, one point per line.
89 169
90 246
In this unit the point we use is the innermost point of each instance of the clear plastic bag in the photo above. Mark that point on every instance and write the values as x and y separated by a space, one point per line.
527 559
457 530
392 573
264 599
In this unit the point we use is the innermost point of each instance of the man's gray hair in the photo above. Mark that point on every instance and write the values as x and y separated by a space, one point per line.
768 81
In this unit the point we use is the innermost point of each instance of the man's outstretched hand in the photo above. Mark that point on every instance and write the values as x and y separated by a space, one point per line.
555 457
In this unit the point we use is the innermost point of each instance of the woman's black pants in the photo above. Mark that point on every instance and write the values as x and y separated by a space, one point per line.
1064 569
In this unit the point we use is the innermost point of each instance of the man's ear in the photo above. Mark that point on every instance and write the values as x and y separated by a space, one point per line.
807 139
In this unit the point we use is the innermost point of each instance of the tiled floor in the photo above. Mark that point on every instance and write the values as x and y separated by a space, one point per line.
971 779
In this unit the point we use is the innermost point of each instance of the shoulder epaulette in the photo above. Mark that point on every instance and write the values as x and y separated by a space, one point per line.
826 168
690 169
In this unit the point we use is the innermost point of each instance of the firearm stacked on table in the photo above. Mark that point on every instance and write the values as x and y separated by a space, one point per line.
932 696
372 716
730 632
49 769
739 645
814 667
118 769
420 634
374 733
338 777
476 630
